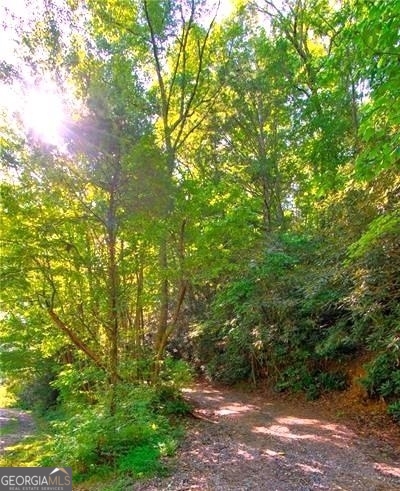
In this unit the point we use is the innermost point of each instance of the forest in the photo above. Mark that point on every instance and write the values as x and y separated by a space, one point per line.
221 200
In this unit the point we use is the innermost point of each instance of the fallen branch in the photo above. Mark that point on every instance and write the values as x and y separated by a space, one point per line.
202 418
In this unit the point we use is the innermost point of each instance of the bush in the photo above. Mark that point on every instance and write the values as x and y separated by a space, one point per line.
338 344
294 379
281 316
383 376
175 373
332 381
229 367
94 440
169 401
79 386
394 411
141 461
313 383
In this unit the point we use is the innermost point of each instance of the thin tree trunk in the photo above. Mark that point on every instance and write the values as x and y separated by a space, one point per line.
114 307
76 340
164 305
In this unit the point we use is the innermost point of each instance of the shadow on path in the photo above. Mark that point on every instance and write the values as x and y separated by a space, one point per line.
239 441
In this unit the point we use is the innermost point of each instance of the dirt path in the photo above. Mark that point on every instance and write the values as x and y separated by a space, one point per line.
15 425
246 442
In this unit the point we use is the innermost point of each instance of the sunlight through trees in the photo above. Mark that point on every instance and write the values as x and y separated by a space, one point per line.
187 189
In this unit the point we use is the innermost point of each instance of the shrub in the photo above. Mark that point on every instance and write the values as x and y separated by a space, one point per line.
394 411
338 344
313 383
79 386
280 317
93 439
332 381
383 376
175 373
141 461
295 378
169 401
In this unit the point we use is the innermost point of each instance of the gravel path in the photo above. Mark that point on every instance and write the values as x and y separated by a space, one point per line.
15 425
243 442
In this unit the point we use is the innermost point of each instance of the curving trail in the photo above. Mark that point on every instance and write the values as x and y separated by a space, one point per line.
239 441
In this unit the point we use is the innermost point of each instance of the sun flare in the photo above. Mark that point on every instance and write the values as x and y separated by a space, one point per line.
44 114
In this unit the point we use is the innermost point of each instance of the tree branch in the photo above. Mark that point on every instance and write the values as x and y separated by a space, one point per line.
75 339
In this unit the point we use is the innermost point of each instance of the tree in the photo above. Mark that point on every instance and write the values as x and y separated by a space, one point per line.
178 46
325 94
78 251
217 173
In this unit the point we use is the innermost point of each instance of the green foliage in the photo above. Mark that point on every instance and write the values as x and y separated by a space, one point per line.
394 411
79 386
300 378
377 44
278 317
32 388
36 393
141 461
383 226
257 167
328 381
373 263
7 396
131 438
338 344
295 378
168 400
383 376
231 366
175 374
226 348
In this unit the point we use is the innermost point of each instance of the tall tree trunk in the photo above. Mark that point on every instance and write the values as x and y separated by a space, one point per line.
113 289
175 131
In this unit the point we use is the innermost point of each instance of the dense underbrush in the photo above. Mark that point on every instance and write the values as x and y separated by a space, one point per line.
307 308
132 439
115 434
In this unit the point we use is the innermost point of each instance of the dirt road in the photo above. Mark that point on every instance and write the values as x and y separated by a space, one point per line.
241 442
238 441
